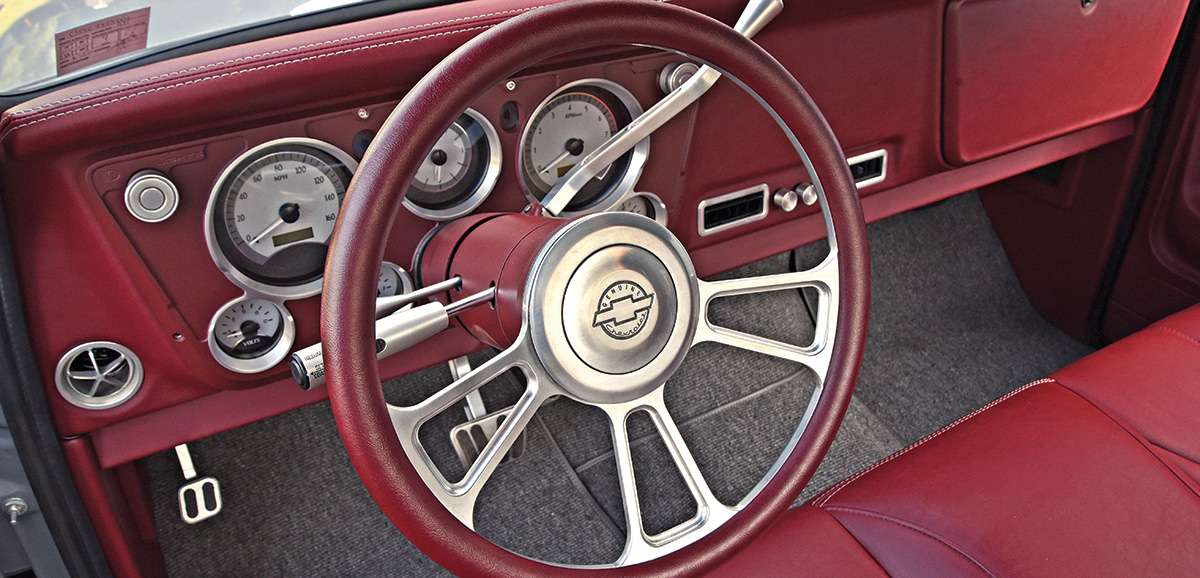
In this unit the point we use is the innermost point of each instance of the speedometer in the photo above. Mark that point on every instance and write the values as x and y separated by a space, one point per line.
567 127
272 213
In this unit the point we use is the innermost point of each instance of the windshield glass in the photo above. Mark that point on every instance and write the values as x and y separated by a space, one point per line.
108 32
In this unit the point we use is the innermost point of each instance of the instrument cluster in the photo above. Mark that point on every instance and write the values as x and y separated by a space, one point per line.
271 212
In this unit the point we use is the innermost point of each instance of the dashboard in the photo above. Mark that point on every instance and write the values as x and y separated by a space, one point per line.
267 199
180 212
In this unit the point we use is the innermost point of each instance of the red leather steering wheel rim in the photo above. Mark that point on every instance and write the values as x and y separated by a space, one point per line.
374 198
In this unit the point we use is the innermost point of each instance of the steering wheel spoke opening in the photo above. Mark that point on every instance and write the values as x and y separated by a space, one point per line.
459 496
709 513
822 283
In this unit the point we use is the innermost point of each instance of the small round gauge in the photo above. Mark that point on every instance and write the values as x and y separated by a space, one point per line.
251 334
567 127
249 328
646 205
459 173
393 280
272 213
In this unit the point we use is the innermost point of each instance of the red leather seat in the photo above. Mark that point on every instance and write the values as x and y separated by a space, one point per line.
806 542
1150 381
1091 472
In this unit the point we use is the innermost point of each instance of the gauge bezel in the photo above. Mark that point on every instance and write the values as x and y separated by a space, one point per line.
637 156
406 280
483 188
236 276
660 208
271 357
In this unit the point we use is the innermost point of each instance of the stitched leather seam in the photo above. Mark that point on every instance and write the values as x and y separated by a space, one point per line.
1141 439
506 13
918 529
236 72
263 55
1173 452
1178 333
831 492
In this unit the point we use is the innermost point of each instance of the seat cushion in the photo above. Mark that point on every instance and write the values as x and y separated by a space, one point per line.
1040 483
1150 381
1094 471
807 542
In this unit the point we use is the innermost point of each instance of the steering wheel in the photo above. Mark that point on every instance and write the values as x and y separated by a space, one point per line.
549 275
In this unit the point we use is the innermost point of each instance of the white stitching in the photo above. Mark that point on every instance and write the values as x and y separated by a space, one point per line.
1176 332
831 492
7 117
236 72
264 54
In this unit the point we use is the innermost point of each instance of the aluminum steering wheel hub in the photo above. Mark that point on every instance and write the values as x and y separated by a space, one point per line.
611 306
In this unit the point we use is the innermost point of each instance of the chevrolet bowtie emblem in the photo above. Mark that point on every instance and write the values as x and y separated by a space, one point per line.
623 309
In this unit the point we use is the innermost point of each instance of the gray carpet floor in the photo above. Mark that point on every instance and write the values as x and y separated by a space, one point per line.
950 331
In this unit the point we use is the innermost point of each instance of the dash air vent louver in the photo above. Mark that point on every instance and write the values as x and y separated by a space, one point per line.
98 375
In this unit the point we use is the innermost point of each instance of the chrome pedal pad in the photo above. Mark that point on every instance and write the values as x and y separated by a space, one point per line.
199 498
470 438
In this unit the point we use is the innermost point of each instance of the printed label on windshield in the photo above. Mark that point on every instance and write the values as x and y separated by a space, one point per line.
101 40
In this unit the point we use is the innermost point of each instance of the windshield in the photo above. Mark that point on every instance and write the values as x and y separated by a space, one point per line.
32 57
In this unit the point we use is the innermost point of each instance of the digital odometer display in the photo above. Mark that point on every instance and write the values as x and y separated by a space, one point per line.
293 237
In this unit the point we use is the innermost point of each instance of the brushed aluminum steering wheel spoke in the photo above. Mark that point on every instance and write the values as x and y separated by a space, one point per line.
710 512
459 497
823 278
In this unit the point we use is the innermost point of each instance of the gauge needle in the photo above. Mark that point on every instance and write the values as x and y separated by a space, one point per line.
271 227
574 148
554 163
288 213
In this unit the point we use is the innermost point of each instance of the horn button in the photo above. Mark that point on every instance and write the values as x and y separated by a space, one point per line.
610 306
618 309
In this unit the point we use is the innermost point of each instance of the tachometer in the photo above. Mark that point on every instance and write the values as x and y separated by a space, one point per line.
568 126
460 171
272 213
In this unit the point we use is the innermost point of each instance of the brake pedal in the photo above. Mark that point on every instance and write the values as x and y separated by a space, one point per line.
199 498
470 438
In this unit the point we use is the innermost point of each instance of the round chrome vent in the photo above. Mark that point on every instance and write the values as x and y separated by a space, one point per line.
98 375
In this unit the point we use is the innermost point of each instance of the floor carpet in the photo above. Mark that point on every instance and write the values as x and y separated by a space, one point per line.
950 331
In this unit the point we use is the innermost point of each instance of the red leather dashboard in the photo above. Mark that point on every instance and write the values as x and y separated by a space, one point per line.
90 271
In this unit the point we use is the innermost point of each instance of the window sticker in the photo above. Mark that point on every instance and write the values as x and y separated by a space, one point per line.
83 46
